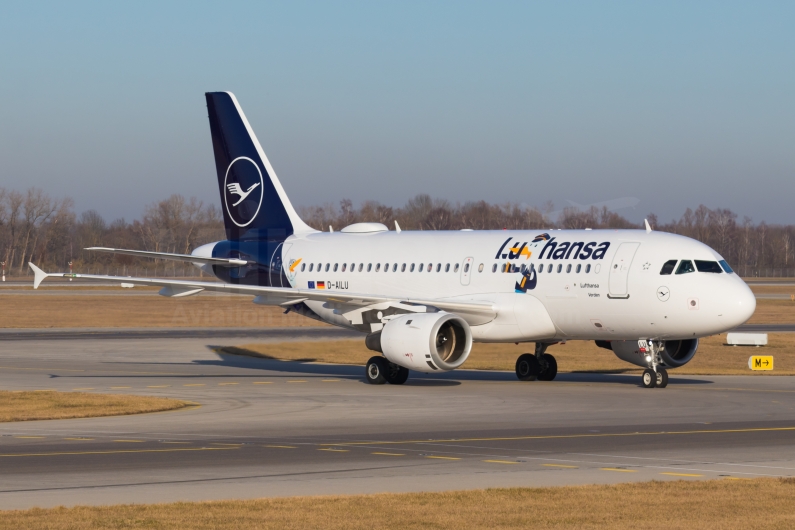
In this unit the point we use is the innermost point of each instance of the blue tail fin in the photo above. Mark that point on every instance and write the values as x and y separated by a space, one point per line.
254 203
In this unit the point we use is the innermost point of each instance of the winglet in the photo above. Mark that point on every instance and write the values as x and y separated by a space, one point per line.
38 275
397 227
648 228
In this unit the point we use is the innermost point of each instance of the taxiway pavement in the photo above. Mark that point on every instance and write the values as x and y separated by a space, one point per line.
273 428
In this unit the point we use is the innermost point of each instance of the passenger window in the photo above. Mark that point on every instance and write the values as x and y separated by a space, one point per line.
311 266
327 266
549 268
403 268
708 266
587 268
335 267
480 268
668 268
361 266
369 267
412 268
466 267
447 268
532 267
579 267
725 266
303 267
560 267
568 268
377 267
344 267
394 267
438 267
685 266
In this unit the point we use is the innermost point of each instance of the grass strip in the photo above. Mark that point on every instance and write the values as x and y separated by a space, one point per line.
692 505
713 356
28 406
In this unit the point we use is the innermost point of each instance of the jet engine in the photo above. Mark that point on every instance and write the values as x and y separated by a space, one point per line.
425 342
675 354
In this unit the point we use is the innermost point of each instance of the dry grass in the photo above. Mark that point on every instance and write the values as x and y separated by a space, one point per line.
27 406
692 505
713 357
150 311
773 312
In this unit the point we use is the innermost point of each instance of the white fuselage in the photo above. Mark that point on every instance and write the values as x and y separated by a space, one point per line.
616 294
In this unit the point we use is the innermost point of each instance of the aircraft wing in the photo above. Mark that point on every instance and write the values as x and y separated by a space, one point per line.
474 312
223 262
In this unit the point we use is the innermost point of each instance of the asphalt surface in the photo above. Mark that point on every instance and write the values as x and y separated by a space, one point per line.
274 428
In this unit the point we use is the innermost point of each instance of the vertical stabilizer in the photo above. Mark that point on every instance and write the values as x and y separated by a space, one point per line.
253 201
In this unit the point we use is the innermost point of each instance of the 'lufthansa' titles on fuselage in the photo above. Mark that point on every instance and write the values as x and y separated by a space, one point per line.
573 250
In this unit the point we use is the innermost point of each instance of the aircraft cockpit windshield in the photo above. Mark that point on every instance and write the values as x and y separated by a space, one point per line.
686 266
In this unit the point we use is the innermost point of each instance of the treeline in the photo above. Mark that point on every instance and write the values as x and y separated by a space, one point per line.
45 230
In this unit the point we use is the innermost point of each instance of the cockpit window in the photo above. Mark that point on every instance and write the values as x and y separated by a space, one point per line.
668 268
725 266
708 266
685 266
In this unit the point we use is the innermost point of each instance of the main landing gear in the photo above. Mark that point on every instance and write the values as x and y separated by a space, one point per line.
655 375
541 365
380 371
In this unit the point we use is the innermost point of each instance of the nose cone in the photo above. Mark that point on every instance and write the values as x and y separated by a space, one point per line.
741 304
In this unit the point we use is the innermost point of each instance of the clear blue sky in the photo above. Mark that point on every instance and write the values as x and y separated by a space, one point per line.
676 103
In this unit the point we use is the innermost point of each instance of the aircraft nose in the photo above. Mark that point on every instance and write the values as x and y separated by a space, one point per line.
742 303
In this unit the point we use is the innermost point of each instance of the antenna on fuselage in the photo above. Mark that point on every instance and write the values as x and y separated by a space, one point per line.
397 227
648 227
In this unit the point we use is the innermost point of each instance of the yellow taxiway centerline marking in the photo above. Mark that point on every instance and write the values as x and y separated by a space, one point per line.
564 436
120 451
158 386
682 474
388 454
559 465
174 442
280 446
231 445
46 390
225 384
500 462
80 439
334 450
262 383
618 469
129 441
330 380
31 437
444 457
296 381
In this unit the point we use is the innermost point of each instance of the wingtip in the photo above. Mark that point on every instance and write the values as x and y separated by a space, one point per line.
38 275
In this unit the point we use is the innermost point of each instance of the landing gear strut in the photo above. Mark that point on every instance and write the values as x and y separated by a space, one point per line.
379 371
541 365
655 375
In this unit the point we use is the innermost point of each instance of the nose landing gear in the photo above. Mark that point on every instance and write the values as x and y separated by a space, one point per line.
541 366
655 375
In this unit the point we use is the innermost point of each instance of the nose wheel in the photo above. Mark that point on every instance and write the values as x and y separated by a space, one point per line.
655 376
539 366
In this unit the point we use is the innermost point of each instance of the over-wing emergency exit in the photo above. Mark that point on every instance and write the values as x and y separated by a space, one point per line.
423 298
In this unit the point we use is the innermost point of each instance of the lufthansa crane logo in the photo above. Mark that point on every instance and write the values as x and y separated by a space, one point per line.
243 191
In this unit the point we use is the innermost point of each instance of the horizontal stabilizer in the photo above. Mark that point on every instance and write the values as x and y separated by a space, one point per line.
221 262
